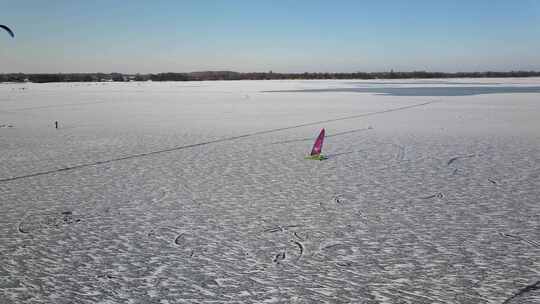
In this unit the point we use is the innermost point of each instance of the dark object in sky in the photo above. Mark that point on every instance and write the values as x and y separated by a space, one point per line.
8 30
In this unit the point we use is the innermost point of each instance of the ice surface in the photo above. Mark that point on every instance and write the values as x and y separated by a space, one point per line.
424 199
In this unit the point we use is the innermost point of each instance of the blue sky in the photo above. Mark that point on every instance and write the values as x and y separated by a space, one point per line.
283 36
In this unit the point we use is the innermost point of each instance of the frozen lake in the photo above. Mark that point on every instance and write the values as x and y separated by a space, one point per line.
198 192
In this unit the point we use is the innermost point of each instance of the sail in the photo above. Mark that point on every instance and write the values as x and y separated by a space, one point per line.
317 147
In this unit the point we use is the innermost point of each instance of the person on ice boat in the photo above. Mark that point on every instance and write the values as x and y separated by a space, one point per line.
317 148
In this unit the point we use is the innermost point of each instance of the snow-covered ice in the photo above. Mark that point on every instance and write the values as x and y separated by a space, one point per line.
198 192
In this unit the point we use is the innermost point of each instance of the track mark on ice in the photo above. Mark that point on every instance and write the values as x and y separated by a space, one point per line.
492 181
438 195
280 228
247 135
177 239
296 235
332 246
279 257
526 289
453 159
336 251
166 233
300 248
522 239
187 242
52 220
339 199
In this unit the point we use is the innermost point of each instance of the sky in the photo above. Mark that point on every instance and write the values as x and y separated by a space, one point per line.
57 36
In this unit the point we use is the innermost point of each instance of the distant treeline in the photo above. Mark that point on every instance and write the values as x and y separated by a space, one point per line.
229 75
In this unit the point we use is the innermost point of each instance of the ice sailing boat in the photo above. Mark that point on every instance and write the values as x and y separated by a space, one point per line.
317 148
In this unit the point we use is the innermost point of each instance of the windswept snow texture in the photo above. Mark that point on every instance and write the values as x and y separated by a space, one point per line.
424 198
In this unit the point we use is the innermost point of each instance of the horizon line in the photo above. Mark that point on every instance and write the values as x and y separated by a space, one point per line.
274 72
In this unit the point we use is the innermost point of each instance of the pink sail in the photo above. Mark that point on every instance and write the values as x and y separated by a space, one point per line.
317 147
